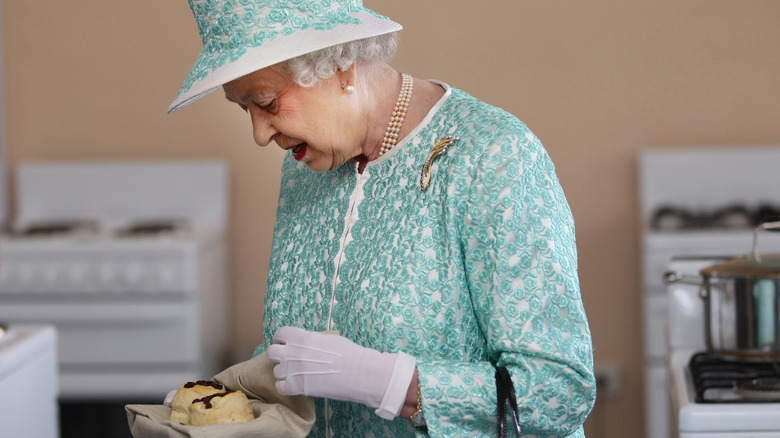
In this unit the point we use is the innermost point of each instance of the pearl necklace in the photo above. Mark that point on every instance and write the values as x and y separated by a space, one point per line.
399 114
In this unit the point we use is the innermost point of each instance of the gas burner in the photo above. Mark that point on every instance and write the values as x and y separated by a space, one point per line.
733 216
151 228
675 218
720 378
766 213
765 387
56 228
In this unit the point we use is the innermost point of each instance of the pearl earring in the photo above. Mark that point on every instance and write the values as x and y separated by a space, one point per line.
348 89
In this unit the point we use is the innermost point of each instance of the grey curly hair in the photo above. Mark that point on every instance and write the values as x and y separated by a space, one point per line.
309 69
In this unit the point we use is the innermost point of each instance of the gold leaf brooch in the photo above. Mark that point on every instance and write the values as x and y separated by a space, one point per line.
438 149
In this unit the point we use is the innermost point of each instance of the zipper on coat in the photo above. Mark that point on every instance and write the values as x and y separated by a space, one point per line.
349 221
351 217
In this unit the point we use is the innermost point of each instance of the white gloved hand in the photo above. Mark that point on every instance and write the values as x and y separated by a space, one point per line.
332 366
169 398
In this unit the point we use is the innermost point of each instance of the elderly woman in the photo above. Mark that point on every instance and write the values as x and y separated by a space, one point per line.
426 229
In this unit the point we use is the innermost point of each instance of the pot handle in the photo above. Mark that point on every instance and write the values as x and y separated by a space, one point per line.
679 277
763 226
692 280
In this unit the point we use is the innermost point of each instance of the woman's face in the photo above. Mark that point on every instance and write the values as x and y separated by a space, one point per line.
318 124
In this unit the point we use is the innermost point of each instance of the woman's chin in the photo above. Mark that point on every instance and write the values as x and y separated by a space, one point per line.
317 166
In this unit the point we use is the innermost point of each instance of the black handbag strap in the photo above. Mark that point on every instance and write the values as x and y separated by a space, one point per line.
505 391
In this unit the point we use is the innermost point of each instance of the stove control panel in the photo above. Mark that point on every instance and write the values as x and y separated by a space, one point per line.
92 271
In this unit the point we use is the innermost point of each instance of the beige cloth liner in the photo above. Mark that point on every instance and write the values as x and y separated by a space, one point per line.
276 415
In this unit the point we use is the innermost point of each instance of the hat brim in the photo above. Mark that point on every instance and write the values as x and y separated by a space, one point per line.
283 48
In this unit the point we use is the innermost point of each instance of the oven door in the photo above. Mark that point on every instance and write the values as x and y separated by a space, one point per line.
118 346
115 332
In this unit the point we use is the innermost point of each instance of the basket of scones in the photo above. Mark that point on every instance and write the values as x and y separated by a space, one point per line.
240 402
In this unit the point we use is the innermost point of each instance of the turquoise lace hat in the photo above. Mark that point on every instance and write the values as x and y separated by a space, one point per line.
242 36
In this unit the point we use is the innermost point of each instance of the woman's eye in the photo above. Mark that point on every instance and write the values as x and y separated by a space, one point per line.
269 106
265 105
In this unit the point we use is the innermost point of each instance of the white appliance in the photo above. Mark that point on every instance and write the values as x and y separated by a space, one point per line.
695 201
127 260
28 381
695 418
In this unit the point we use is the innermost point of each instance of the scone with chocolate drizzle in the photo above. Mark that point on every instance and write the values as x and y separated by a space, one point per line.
206 402
222 408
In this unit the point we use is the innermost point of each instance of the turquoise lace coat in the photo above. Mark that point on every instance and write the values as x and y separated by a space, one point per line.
479 269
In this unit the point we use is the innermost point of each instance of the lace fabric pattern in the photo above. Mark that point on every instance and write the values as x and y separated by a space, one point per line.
479 269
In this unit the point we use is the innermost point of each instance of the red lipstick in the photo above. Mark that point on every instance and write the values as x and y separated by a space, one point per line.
299 151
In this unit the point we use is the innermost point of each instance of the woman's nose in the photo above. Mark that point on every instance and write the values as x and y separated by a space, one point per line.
262 130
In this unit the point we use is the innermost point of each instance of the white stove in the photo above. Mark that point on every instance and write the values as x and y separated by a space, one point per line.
80 257
127 260
693 417
697 201
732 420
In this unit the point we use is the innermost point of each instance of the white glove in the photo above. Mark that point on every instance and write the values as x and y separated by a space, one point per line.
169 398
332 366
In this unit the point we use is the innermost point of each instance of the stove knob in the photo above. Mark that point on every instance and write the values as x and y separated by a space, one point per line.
79 275
25 274
119 281
51 274
10 277
107 274
136 276
6 277
166 275
75 274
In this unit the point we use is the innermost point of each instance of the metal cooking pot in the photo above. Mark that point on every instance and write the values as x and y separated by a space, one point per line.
741 300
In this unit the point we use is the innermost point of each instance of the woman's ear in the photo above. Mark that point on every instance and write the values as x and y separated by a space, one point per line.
348 78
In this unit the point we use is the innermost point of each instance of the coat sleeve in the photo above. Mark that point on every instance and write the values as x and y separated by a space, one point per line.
519 252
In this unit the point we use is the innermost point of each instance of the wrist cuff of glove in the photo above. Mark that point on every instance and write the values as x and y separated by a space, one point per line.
395 395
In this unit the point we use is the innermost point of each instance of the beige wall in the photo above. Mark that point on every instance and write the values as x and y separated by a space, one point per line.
596 81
